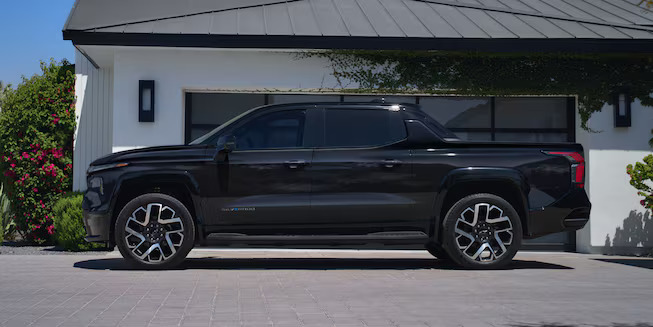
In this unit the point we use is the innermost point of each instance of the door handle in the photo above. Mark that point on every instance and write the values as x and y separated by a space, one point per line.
391 163
294 164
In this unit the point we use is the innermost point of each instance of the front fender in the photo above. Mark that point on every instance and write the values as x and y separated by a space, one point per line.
158 176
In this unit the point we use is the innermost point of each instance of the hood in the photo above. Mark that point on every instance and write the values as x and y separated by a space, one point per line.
163 153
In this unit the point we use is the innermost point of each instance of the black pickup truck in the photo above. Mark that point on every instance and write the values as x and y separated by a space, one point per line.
325 174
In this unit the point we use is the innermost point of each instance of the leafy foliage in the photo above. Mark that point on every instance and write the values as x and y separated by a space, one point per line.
68 224
641 177
594 78
36 127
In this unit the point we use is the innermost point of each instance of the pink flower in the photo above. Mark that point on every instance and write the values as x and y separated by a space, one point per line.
35 190
12 165
643 203
50 229
25 155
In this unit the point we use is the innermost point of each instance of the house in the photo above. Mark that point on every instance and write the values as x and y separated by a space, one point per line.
156 72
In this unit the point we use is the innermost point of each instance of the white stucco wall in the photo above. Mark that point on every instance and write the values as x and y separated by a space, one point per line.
177 70
613 198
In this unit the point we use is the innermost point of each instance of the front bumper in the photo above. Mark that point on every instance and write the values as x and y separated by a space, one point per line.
569 213
97 226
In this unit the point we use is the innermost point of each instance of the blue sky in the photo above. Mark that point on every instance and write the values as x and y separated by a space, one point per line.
30 32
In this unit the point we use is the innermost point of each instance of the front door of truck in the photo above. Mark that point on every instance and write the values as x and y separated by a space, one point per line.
263 180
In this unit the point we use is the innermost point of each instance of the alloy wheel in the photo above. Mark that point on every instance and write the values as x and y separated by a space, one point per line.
483 232
154 233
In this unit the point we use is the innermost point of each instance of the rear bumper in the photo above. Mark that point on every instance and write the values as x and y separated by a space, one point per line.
569 213
97 226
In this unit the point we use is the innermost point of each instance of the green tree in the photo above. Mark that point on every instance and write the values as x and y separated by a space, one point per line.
36 132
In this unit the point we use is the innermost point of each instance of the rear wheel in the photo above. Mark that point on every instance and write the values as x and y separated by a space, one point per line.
154 231
482 231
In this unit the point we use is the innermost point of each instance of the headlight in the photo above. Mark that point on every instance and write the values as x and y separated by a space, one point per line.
96 183
93 169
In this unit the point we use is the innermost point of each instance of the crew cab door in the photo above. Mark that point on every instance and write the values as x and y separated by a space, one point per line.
361 171
263 180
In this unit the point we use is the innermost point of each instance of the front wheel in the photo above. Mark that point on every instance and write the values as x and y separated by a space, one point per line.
482 231
154 231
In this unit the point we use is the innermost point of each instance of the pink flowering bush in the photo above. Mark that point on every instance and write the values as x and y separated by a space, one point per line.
36 137
641 177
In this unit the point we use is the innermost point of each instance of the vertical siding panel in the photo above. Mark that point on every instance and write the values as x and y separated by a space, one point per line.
78 85
109 117
88 112
94 106
93 116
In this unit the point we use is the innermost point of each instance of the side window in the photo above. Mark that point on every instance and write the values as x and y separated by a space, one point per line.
362 128
277 130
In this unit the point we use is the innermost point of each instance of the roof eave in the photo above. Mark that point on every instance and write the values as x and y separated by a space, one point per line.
361 43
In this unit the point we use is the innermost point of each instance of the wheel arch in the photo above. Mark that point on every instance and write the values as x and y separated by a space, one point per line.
179 185
509 184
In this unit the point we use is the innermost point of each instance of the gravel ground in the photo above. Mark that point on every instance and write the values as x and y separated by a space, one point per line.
9 248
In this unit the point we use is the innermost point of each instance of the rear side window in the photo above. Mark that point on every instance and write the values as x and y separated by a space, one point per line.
362 127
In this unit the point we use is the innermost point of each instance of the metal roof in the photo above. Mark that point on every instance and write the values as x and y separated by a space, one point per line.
376 24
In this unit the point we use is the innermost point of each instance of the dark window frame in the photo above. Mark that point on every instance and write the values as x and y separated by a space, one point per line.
570 130
493 130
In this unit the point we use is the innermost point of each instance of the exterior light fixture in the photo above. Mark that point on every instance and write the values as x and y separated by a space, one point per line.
622 114
145 101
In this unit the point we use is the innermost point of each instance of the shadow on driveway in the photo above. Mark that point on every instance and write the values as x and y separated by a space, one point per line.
308 264
641 263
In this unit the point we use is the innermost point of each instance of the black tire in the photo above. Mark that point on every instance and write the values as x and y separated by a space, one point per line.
155 233
438 251
486 234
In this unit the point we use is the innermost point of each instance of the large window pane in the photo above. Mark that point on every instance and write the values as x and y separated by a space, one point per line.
294 98
362 128
539 112
387 98
459 112
218 108
531 137
474 136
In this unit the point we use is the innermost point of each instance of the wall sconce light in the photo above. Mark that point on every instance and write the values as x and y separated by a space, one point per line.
145 101
622 115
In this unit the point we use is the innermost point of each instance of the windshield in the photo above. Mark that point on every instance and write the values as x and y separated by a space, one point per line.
208 137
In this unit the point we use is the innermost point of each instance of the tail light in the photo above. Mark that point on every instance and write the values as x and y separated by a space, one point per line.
577 166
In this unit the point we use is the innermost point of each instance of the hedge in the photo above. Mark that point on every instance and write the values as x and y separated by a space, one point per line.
68 224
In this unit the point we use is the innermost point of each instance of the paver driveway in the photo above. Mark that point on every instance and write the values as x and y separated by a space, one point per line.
332 288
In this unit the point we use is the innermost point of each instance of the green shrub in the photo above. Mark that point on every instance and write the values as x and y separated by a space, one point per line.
68 225
641 176
36 137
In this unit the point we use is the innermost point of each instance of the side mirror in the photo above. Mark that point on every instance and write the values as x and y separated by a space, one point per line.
229 145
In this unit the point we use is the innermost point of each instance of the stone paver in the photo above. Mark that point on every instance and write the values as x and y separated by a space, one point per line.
325 288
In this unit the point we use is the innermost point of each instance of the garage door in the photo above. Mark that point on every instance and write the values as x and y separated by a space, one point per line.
514 119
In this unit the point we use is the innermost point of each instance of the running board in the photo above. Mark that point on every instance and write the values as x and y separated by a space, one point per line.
382 237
